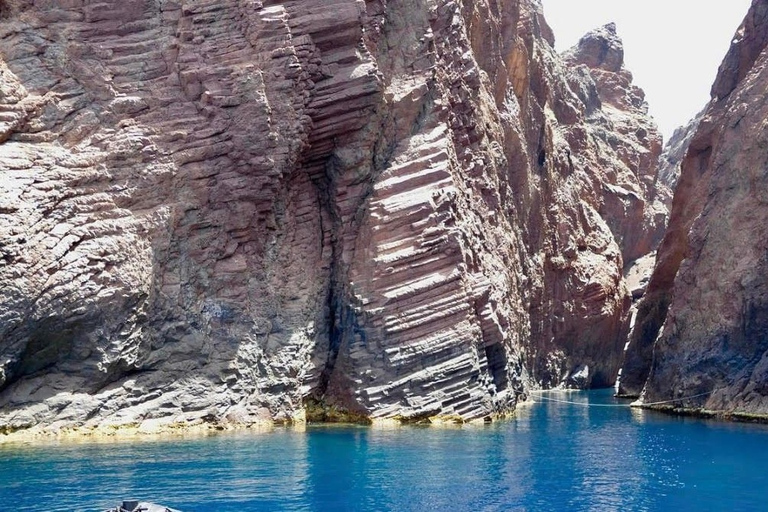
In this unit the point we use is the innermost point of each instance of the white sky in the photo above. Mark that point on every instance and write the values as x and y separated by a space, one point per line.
672 47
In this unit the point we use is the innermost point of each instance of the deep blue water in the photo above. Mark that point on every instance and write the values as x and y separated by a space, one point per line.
552 456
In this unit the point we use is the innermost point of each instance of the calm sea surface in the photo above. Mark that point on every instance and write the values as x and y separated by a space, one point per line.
552 456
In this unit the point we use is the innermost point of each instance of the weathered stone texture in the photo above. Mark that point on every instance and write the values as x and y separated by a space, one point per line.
627 145
671 158
702 330
215 210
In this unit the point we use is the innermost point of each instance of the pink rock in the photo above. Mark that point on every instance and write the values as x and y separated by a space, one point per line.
402 211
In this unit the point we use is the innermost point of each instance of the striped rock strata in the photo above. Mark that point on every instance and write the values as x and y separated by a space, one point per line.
218 211
701 336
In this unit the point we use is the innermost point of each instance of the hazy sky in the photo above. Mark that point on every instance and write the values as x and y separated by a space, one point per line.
672 47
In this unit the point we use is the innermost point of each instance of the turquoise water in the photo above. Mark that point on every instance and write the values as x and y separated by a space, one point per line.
552 456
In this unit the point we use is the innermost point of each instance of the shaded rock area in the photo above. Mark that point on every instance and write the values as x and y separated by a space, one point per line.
214 212
638 274
701 335
672 158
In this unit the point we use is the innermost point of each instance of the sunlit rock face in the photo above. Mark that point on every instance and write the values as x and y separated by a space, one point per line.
702 330
627 146
216 211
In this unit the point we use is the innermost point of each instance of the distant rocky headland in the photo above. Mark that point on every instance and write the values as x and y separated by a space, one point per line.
217 213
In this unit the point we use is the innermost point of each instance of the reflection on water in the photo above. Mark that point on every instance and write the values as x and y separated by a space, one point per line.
551 456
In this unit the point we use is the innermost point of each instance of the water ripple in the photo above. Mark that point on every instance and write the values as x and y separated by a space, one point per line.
551 457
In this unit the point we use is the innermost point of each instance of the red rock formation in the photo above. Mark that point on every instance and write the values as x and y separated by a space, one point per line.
628 145
701 335
212 211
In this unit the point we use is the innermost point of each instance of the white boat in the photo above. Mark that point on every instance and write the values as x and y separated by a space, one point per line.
140 506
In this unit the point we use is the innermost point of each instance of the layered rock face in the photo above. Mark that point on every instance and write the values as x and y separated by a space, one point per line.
702 329
214 211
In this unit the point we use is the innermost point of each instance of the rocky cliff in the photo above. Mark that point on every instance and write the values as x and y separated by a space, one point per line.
701 336
628 146
223 211
672 157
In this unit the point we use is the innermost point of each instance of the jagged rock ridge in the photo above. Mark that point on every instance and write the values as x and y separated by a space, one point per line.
701 336
214 211
629 145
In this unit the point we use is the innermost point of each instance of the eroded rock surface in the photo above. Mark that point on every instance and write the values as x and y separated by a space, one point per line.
701 337
628 145
672 157
213 211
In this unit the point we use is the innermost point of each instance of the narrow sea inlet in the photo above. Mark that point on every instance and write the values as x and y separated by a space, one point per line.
551 456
